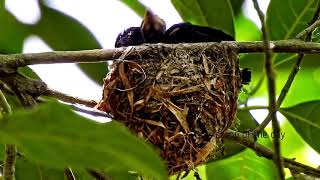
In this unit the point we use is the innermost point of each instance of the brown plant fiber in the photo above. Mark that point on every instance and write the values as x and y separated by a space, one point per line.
182 101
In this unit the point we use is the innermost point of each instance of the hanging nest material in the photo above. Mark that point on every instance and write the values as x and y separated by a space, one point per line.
180 100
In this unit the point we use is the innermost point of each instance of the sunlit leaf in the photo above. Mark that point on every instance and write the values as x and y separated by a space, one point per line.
207 13
246 30
286 23
62 32
28 72
244 165
305 119
54 136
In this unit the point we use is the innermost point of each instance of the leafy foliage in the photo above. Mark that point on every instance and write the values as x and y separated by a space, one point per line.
305 119
62 32
206 13
52 137
57 137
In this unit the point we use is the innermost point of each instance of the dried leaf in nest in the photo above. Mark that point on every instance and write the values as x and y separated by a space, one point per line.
181 100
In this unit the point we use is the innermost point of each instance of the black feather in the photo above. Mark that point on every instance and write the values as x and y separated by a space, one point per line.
188 33
129 37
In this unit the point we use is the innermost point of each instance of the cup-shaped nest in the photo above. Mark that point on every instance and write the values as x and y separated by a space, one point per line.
181 99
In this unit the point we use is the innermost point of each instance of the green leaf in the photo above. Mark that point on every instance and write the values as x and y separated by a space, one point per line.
54 136
236 6
246 30
316 35
27 169
244 165
136 6
81 174
28 72
305 119
286 23
12 33
207 13
121 175
62 32
306 84
246 122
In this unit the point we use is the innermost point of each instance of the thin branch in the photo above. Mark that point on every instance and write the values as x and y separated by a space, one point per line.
261 150
69 174
144 51
10 150
67 98
291 77
248 108
283 93
308 30
4 104
304 35
272 92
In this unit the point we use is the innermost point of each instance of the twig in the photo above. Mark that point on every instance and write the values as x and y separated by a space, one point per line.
271 92
4 104
261 150
291 77
308 30
294 71
102 55
283 93
10 150
67 98
253 107
69 174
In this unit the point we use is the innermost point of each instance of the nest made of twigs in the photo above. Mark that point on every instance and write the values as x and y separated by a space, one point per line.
180 100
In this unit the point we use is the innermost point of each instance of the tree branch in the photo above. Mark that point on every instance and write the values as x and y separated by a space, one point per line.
271 92
67 98
144 51
269 154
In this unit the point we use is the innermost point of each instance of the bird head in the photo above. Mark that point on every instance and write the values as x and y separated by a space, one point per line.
153 27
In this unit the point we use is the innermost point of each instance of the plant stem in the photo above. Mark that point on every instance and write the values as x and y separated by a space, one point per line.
278 161
10 150
248 108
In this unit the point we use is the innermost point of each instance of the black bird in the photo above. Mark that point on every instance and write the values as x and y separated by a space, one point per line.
189 33
129 37
153 30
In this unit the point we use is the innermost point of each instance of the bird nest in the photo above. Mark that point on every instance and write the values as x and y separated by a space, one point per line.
180 100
